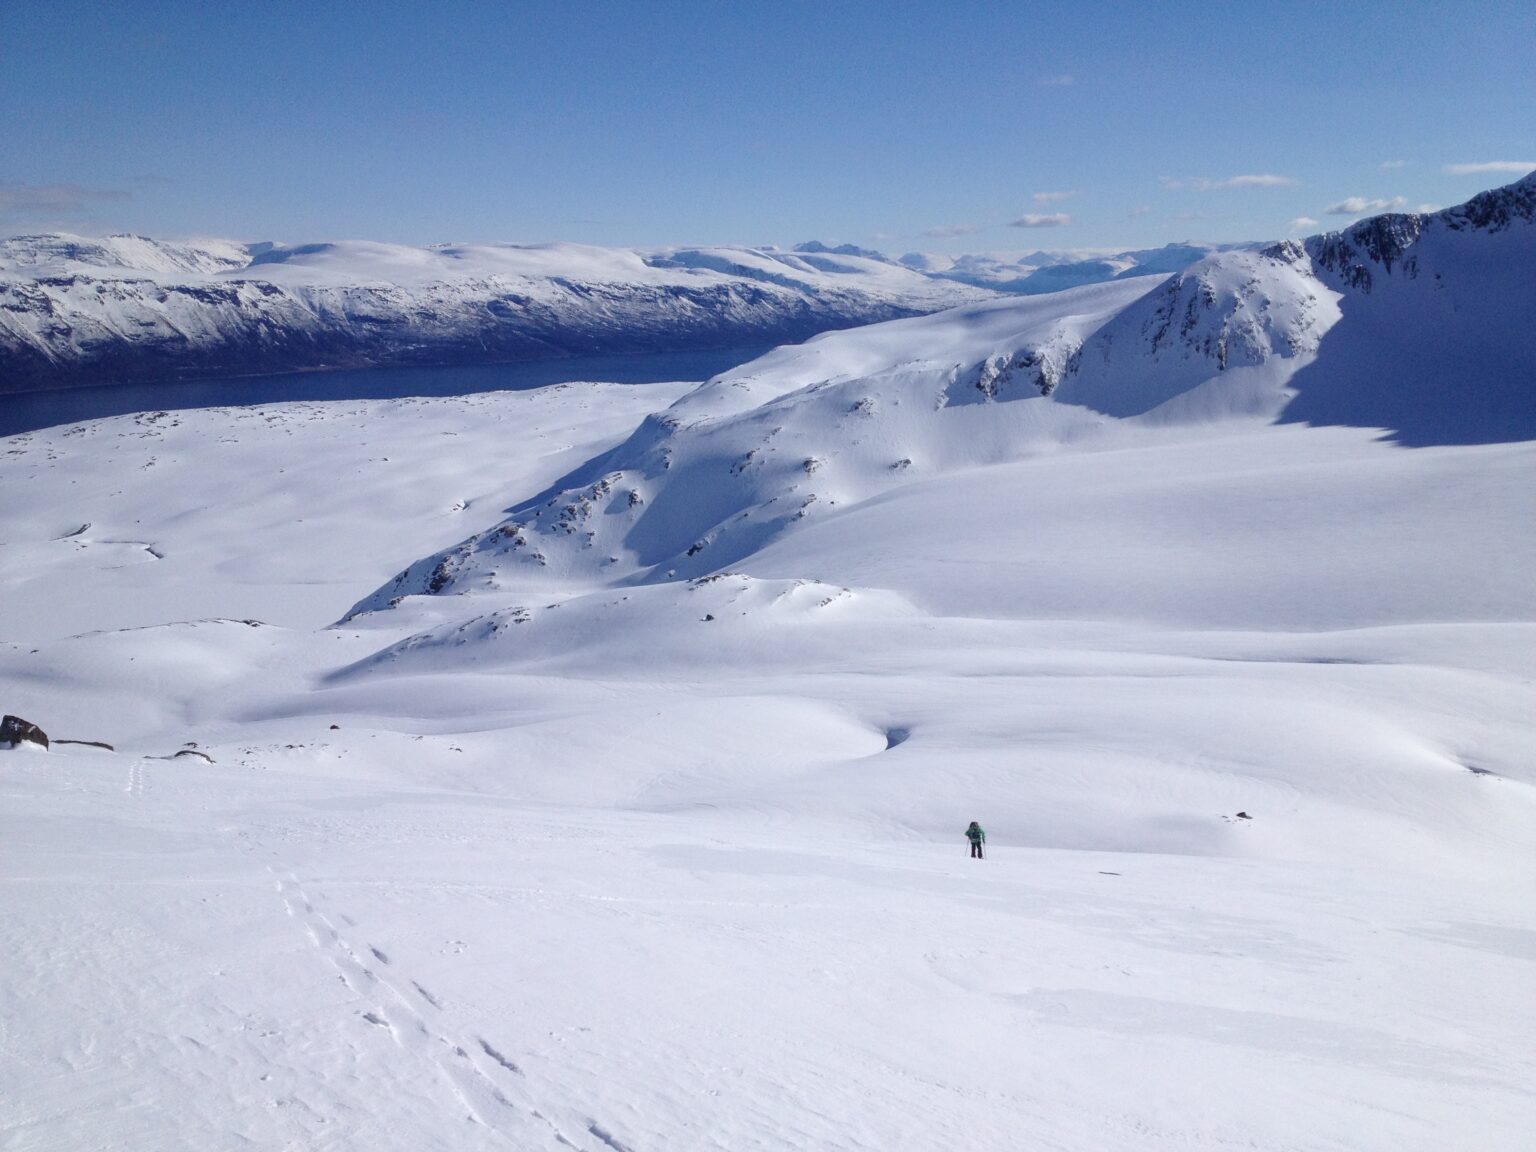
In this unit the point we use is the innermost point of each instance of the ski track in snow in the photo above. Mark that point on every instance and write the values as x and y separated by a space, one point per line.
487 1088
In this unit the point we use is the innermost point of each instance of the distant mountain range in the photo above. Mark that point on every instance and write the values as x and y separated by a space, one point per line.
1037 273
77 311
127 308
124 308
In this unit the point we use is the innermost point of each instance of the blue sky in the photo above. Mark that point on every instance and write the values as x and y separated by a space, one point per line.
903 126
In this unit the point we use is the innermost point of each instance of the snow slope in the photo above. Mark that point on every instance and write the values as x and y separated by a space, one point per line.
586 866
600 844
79 311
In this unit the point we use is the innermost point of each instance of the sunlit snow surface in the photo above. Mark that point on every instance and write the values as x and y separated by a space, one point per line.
583 855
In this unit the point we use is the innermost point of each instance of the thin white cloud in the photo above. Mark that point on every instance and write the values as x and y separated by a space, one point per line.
1519 167
1036 220
952 230
1302 224
62 199
1392 165
1254 180
1061 80
1052 197
1263 180
1139 211
1429 207
1361 206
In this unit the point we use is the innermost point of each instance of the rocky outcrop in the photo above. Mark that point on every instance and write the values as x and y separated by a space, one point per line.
14 730
1373 245
1382 245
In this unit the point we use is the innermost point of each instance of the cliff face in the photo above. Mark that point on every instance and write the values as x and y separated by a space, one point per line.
1355 257
1435 343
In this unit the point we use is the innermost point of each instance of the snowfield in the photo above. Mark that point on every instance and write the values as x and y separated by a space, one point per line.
588 767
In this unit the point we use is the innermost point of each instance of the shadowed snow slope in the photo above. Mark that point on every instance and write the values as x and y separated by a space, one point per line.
1439 320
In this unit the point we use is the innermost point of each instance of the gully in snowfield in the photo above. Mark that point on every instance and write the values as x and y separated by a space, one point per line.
977 835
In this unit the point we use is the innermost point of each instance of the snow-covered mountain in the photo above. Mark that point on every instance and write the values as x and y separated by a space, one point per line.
74 310
850 416
1036 273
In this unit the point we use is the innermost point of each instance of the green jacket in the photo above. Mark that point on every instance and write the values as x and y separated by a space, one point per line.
976 834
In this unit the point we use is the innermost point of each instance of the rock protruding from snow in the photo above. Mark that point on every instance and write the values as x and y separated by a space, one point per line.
1381 244
14 730
1236 310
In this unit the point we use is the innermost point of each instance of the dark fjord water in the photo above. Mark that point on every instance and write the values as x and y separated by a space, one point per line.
29 411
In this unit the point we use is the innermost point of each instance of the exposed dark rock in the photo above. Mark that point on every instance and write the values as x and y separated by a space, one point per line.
89 744
1496 209
14 730
1380 242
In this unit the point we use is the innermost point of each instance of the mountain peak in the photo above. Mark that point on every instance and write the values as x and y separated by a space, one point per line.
817 248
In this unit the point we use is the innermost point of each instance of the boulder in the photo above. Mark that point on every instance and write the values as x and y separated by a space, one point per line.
13 730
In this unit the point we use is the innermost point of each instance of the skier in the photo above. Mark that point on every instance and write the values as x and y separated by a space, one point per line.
977 835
